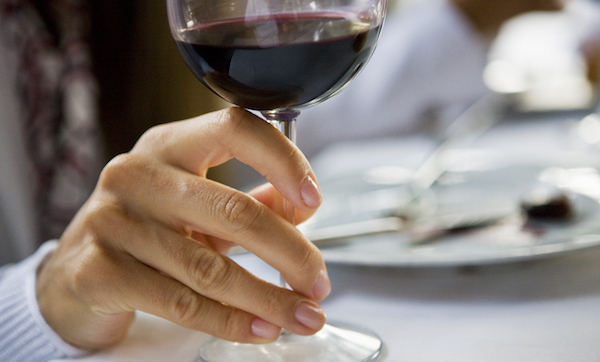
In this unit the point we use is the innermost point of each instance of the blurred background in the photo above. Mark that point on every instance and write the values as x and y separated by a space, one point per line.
142 78
541 57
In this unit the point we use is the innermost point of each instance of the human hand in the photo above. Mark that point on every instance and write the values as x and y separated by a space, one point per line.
487 16
151 235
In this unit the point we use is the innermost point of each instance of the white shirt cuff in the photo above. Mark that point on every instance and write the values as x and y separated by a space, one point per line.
24 334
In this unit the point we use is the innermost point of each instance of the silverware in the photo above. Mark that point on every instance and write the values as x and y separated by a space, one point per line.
339 233
416 231
476 120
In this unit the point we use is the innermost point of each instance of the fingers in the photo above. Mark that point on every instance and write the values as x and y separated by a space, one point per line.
236 133
200 289
153 226
113 260
267 195
190 204
184 306
129 285
194 205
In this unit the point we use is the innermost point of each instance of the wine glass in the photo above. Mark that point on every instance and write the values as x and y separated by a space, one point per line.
277 57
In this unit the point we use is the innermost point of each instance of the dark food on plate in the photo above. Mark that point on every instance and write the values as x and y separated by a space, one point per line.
548 204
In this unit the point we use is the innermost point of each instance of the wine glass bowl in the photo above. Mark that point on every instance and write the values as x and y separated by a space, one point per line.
275 55
279 57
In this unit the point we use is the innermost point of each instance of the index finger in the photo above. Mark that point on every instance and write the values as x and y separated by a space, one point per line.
236 133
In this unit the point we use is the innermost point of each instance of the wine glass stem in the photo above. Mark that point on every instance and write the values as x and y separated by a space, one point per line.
286 124
288 128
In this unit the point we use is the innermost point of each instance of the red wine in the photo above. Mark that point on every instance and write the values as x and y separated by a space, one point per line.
283 61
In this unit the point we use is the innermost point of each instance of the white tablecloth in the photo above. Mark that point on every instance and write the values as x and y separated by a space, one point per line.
545 310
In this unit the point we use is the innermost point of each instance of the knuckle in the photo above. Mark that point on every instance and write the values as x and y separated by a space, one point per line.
156 136
192 311
273 300
102 211
230 117
232 120
124 181
187 307
124 172
210 271
239 211
115 172
232 326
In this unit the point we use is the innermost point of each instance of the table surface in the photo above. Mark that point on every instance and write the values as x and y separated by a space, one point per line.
538 310
544 310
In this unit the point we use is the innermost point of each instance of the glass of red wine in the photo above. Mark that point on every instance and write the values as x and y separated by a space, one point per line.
278 57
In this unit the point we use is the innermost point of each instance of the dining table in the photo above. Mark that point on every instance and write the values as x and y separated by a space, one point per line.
446 303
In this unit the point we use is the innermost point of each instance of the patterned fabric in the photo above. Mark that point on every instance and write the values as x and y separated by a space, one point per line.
58 97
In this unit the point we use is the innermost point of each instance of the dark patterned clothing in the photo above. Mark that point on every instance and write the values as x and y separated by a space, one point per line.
57 95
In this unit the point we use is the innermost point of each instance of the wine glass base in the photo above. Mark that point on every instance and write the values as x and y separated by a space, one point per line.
336 342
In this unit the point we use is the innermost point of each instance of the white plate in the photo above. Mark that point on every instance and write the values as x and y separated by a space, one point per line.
476 181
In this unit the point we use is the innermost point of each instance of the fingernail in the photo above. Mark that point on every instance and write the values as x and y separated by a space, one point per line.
311 195
264 329
322 286
310 316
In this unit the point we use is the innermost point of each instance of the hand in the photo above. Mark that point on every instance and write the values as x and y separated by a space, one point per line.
487 16
151 235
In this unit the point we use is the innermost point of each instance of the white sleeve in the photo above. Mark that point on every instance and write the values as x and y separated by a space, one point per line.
24 334
428 57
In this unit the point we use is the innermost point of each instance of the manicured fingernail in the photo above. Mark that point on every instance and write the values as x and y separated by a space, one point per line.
311 195
264 329
322 286
311 316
